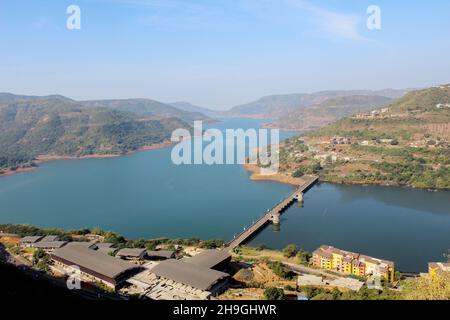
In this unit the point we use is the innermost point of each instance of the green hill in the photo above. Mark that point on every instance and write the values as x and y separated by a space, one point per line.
186 106
6 97
277 106
406 143
408 118
331 109
63 127
147 108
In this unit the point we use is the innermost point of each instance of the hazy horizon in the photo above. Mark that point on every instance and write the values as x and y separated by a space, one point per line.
226 108
219 54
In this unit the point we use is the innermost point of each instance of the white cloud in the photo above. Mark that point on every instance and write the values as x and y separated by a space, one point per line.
179 13
326 22
336 24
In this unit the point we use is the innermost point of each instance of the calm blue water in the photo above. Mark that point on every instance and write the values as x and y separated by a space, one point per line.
140 195
145 195
410 227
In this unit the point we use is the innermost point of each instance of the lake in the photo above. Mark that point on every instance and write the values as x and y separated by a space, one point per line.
410 227
145 195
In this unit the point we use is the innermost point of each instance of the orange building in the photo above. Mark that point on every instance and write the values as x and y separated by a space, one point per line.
327 257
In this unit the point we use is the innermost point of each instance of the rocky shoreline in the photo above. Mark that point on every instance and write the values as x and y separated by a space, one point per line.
278 177
47 158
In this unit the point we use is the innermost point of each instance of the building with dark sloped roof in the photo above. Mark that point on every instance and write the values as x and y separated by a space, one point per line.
192 275
83 244
30 240
50 238
132 254
160 254
95 266
211 259
49 246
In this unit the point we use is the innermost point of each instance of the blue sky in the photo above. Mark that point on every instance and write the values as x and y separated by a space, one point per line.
220 53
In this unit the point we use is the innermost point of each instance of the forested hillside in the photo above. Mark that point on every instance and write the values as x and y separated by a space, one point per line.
59 126
332 109
406 143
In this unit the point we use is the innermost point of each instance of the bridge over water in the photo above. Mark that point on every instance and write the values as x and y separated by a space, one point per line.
272 215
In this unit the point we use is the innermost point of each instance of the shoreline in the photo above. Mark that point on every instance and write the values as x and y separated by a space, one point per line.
285 179
48 158
278 177
272 126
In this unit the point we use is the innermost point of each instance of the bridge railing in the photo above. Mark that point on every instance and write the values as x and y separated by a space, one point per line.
301 188
264 216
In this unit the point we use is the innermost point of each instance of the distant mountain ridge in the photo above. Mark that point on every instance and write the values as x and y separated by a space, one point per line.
186 106
140 107
54 125
275 106
332 109
6 97
147 108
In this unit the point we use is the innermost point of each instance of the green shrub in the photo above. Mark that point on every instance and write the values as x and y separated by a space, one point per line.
274 294
290 251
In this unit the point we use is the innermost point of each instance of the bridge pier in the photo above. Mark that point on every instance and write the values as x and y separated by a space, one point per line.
275 218
300 197
273 215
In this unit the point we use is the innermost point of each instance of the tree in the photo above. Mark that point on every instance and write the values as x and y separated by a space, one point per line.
43 263
151 245
274 294
38 255
298 173
280 270
303 257
315 167
290 251
212 244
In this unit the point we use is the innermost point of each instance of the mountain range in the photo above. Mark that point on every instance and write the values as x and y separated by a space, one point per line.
405 143
310 110
32 126
316 116
186 106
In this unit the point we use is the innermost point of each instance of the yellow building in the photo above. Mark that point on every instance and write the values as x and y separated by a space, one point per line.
347 265
327 257
326 261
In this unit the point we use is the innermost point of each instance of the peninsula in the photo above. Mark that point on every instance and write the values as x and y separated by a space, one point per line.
405 143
